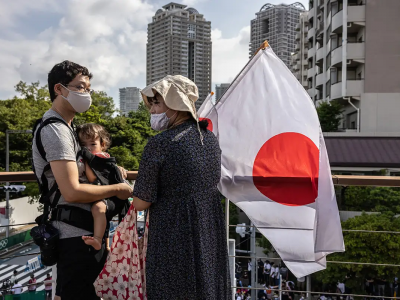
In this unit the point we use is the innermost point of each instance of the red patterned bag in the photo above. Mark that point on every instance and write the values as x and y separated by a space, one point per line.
123 275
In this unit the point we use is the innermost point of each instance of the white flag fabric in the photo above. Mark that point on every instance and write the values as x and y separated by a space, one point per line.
275 165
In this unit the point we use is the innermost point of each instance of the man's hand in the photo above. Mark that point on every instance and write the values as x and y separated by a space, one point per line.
124 191
124 173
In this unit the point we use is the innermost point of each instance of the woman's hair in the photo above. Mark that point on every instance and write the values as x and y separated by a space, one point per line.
92 131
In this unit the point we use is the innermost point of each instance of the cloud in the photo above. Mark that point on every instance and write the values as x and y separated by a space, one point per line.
192 2
108 37
229 54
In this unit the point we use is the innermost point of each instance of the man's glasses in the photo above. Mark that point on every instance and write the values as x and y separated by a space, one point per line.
81 89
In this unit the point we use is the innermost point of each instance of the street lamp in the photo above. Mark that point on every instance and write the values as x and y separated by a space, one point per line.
8 170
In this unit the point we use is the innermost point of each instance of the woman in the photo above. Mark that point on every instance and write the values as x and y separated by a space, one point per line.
177 181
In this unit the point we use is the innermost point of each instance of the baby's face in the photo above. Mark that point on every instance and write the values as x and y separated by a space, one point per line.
93 145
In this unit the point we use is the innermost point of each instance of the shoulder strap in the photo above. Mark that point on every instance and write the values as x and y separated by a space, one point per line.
44 123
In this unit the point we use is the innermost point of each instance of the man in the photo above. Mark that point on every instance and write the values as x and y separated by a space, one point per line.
48 286
13 277
32 284
16 290
267 271
249 269
78 264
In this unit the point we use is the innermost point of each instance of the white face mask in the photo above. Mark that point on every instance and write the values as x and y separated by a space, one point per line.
80 102
160 121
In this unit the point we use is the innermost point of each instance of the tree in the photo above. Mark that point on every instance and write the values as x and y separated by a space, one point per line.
375 199
365 248
329 114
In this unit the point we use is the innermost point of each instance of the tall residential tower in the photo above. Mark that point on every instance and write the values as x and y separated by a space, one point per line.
129 99
179 43
353 58
276 24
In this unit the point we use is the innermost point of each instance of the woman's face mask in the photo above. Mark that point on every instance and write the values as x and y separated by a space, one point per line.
80 102
160 122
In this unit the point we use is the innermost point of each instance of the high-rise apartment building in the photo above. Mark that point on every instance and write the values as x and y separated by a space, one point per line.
179 43
353 58
299 59
220 90
129 99
276 24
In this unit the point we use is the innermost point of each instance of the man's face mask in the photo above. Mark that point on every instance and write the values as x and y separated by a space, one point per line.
80 102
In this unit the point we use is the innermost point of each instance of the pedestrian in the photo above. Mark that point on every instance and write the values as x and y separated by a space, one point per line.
185 212
55 161
32 284
13 277
249 269
16 290
260 271
48 286
267 271
277 275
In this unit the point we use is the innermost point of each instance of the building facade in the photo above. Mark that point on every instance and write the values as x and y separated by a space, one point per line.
129 99
299 59
276 24
353 58
179 43
220 89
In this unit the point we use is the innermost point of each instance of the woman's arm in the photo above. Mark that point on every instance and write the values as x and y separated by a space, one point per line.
140 205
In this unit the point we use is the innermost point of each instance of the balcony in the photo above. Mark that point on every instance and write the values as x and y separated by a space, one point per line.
311 92
311 13
320 80
311 52
320 53
354 89
355 53
355 15
298 36
311 33
310 72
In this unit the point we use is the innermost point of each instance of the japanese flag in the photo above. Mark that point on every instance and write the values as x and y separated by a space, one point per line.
275 165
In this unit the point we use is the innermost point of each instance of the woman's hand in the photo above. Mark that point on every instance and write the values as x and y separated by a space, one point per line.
124 173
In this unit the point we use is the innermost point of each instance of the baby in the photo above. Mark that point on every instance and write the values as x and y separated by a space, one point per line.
97 140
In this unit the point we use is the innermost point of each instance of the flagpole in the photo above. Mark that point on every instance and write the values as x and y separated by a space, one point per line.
227 221
253 261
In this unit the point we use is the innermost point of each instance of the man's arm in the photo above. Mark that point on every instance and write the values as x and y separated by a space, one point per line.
67 177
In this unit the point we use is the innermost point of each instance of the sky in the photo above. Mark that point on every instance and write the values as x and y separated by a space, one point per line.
109 38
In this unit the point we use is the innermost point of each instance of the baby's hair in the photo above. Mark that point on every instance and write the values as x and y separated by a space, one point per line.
92 131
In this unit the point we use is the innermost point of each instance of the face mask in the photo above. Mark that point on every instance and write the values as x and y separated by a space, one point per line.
80 102
160 121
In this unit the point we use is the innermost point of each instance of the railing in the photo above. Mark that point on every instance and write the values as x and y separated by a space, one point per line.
346 180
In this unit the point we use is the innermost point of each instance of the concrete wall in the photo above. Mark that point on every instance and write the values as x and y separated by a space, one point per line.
380 112
382 46
21 211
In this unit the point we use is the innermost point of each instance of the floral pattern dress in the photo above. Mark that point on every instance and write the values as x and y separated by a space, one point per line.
187 252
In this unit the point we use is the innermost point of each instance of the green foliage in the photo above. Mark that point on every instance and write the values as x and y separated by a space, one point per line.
129 134
329 114
264 243
365 248
377 199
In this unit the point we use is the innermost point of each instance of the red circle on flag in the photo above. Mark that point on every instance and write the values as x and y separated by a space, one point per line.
286 169
210 124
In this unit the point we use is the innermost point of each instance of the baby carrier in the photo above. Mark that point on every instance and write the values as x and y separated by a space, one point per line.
106 171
